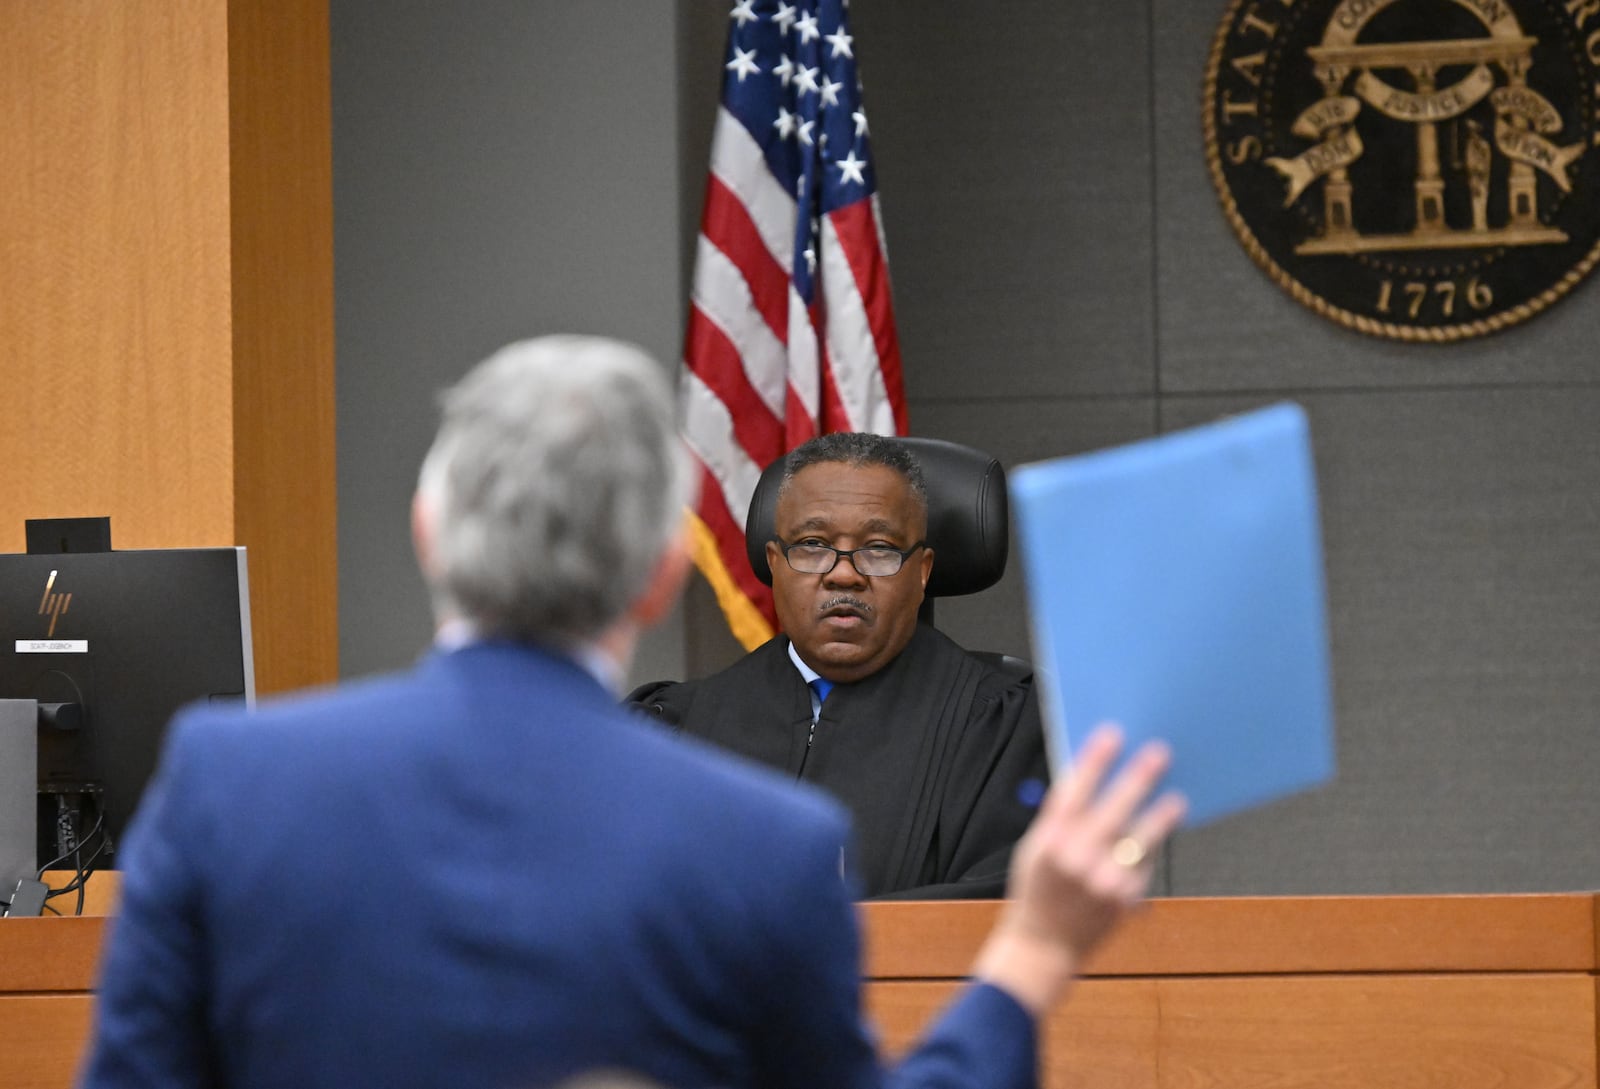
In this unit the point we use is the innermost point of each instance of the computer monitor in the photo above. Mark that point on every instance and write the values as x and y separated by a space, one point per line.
111 644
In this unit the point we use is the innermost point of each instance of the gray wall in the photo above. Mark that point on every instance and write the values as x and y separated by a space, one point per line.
501 170
1064 279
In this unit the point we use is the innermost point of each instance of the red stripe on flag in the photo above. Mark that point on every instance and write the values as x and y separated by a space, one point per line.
713 357
833 416
728 226
858 238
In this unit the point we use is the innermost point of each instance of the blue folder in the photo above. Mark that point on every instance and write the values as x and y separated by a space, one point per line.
1175 587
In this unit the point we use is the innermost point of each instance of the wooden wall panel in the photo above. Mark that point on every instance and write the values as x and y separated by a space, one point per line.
1289 1032
49 953
1404 1032
283 411
166 331
41 1037
115 323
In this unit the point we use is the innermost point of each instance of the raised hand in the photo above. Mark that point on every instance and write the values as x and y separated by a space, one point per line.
1083 865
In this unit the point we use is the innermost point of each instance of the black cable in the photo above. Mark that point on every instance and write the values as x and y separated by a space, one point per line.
77 878
80 875
83 871
80 878
99 820
77 875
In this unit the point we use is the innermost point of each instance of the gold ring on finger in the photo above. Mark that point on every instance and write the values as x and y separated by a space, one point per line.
1127 852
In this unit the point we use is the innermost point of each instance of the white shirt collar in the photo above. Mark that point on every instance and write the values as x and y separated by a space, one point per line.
601 666
809 675
455 634
805 671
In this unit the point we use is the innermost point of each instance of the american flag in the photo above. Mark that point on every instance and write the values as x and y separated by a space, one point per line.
791 330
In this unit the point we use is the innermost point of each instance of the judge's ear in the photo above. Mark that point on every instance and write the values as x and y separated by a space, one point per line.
926 562
665 584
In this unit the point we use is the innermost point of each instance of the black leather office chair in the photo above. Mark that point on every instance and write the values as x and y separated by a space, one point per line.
968 525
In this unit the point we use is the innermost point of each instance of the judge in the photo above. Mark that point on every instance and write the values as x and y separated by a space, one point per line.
937 754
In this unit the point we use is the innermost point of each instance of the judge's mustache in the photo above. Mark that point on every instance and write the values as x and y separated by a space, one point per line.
844 601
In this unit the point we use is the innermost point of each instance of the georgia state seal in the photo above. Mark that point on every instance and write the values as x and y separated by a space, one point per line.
1426 170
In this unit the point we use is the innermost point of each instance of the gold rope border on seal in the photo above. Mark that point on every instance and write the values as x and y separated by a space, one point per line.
1438 334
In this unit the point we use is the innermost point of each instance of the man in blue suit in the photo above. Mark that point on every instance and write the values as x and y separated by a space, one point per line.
485 873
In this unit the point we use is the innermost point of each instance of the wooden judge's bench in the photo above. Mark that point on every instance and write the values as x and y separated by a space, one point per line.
1414 992
1411 992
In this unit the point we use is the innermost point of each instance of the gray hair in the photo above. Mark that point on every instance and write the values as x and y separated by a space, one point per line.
554 487
857 449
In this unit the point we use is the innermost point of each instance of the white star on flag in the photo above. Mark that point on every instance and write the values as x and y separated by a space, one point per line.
785 17
830 91
743 62
785 123
744 11
807 26
840 42
850 168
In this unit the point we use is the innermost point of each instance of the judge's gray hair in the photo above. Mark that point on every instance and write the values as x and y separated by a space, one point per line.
554 486
858 449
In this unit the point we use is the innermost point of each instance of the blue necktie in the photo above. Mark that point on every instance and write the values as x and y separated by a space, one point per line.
821 687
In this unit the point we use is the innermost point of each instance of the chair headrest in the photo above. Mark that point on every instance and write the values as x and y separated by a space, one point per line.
968 517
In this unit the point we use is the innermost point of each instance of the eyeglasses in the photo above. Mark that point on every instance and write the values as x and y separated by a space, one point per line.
879 561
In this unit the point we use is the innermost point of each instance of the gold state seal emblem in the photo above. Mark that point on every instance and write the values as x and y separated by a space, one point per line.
1418 169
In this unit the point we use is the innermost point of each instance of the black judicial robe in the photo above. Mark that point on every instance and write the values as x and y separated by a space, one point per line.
939 756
